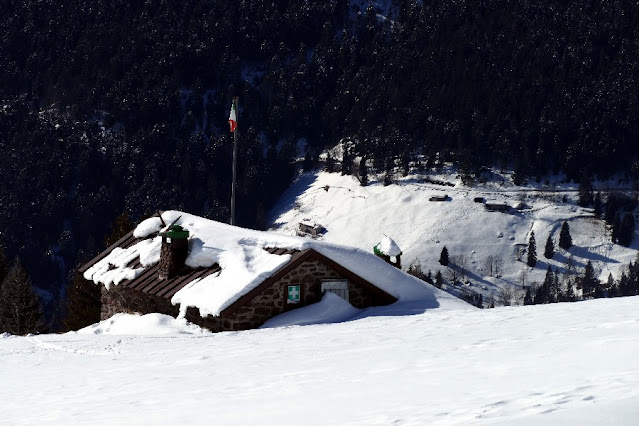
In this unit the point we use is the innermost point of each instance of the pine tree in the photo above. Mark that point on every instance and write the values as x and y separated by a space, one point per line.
626 230
4 264
598 205
565 240
549 249
555 288
585 191
612 288
20 311
443 258
532 250
589 281
83 303
439 280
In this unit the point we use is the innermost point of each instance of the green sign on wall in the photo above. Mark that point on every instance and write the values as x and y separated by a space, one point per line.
293 294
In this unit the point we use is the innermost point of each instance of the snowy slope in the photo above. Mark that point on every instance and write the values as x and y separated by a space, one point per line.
360 216
553 364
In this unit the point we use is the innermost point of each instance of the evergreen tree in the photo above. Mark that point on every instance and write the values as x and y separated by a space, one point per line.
612 289
20 311
439 279
443 257
589 282
549 249
4 264
547 295
532 250
598 205
626 230
83 303
585 191
565 240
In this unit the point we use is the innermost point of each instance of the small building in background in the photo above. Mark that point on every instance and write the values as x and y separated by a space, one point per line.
310 229
497 207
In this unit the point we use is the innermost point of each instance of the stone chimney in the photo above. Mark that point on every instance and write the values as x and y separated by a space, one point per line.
175 249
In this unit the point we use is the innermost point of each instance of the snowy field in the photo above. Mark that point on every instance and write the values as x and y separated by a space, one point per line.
549 364
361 216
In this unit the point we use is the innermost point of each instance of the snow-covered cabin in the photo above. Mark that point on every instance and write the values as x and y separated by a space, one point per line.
229 278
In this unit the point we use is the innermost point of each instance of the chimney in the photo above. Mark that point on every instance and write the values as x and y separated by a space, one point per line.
175 249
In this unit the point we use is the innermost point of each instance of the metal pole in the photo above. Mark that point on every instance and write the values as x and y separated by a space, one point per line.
235 101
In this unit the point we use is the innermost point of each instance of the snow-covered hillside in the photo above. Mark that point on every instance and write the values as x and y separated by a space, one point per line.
566 363
361 216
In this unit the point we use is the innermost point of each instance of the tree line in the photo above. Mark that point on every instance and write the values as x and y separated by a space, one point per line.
114 106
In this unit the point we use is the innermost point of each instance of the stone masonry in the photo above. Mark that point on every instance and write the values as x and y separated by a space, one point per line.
272 301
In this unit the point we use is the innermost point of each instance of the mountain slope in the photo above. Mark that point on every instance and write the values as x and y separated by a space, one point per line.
360 216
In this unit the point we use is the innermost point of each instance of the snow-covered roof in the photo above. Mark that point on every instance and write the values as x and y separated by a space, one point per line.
242 263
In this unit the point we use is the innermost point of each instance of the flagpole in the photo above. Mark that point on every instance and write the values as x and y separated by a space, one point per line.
235 102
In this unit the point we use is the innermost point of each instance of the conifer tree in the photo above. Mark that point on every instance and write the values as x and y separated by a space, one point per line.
598 205
439 280
589 281
626 230
83 303
4 264
549 249
532 250
20 311
565 240
443 257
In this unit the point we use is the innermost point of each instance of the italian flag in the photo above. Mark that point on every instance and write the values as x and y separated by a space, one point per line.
233 118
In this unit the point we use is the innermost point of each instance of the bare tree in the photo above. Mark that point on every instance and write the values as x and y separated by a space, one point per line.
489 264
498 265
523 276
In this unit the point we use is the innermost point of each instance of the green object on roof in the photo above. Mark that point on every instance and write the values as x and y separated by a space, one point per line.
387 247
175 232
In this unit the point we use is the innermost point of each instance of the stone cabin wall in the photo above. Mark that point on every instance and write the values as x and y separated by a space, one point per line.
123 299
270 302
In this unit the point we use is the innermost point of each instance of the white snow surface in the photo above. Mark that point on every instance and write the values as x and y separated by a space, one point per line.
389 247
244 265
143 325
148 227
566 363
330 309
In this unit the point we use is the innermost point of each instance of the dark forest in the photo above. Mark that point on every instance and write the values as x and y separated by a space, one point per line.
114 106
